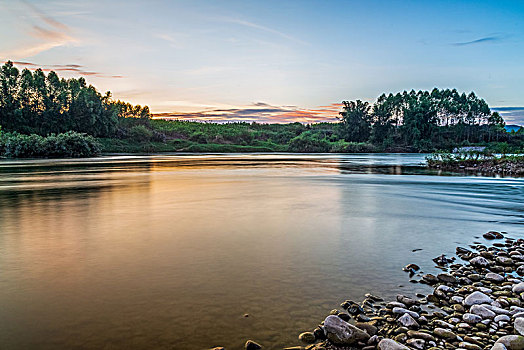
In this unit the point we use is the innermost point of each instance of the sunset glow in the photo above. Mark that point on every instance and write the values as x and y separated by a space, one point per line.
271 61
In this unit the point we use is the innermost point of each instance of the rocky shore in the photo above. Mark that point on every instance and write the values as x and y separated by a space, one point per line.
503 167
475 304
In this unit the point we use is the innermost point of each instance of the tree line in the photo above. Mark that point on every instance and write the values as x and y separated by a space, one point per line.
36 103
421 119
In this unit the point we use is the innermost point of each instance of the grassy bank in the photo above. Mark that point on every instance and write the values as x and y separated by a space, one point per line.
478 163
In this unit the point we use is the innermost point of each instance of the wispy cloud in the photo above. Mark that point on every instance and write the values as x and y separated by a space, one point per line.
264 29
260 112
48 32
76 69
512 115
487 39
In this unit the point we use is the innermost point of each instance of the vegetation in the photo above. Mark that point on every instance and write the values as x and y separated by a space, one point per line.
33 103
484 161
66 145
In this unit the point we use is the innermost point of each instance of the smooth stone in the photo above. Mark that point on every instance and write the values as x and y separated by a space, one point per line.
498 346
496 309
518 288
407 321
469 346
494 277
421 335
512 342
444 333
340 332
456 299
477 298
252 345
502 318
307 337
446 277
471 318
479 261
518 324
390 344
416 343
401 310
482 311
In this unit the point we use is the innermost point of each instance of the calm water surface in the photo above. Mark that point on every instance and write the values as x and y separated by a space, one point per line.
169 252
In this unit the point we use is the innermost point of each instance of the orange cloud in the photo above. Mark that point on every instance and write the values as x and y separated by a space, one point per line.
261 113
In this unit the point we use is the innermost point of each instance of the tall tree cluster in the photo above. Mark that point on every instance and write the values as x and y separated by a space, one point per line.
420 119
32 102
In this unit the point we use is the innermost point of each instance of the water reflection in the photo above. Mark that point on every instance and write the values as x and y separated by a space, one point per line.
172 251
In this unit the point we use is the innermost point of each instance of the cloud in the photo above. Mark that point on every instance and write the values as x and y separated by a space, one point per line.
71 68
512 115
47 33
260 112
486 39
264 29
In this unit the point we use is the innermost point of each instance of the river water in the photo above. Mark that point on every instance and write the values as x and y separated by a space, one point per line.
170 251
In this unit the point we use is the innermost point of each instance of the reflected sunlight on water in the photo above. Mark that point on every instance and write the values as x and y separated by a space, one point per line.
171 251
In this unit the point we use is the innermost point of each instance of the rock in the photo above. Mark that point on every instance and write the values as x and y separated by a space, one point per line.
407 321
456 299
252 345
512 342
479 261
498 346
482 311
494 277
307 337
416 343
477 298
340 332
390 344
430 279
518 288
471 318
519 325
503 318
442 260
446 277
520 270
410 267
444 333
421 335
401 311
493 235
504 260
367 327
497 309
469 346
407 300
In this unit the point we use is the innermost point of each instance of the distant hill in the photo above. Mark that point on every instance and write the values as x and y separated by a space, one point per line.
511 128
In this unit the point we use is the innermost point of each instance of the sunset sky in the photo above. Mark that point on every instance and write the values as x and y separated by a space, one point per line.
272 61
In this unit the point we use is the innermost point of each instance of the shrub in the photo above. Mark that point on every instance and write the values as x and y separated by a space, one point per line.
69 145
140 133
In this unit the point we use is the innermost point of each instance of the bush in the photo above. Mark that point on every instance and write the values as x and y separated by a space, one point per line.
66 145
140 133
306 143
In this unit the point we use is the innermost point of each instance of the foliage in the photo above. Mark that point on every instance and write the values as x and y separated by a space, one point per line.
70 145
33 103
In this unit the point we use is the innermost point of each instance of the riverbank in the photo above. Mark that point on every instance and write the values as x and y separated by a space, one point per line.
476 304
504 166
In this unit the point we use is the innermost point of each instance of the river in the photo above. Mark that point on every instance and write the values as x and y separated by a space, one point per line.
171 251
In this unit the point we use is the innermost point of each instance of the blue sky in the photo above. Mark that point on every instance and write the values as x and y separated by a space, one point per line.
272 60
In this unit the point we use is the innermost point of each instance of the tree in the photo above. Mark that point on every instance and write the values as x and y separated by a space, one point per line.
356 121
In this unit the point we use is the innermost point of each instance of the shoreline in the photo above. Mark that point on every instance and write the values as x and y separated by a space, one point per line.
513 166
477 303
